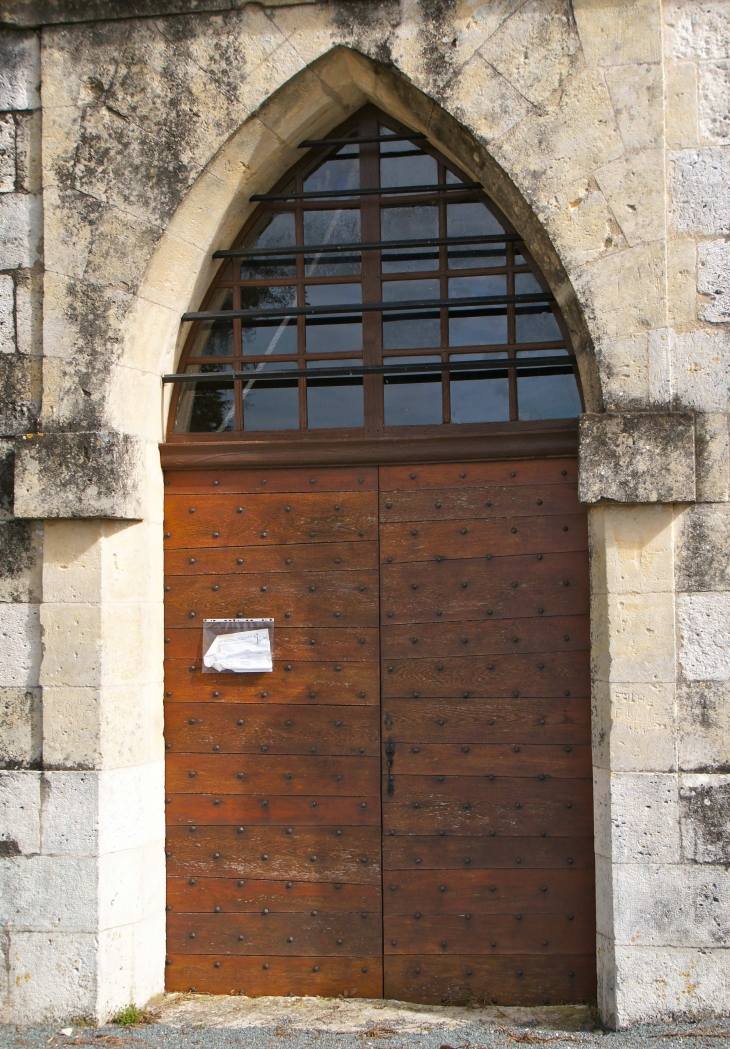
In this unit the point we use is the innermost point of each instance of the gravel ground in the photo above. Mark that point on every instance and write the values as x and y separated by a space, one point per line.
181 1021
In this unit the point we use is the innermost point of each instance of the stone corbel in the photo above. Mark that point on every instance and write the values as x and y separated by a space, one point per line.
90 474
637 457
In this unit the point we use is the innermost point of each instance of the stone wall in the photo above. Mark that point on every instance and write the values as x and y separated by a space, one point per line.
600 127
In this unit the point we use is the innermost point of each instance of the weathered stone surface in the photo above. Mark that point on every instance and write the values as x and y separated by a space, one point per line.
21 225
671 905
20 645
681 115
656 984
703 715
20 813
631 186
700 191
628 31
7 153
703 621
698 30
701 373
636 817
704 807
78 475
703 548
636 93
714 85
637 457
713 280
19 70
21 733
7 314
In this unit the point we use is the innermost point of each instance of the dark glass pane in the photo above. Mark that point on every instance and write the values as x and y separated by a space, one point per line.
452 179
478 325
536 324
479 397
411 331
205 407
476 256
274 230
339 332
469 218
409 223
334 402
268 403
267 335
341 171
215 338
332 227
405 164
547 392
527 284
412 399
520 260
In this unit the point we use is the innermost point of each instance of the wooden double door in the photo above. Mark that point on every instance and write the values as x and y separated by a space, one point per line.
403 807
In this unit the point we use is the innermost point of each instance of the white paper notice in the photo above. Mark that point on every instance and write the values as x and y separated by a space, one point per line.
246 650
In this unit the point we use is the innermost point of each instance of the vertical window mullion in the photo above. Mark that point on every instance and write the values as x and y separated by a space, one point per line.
511 332
372 326
444 290
237 362
301 321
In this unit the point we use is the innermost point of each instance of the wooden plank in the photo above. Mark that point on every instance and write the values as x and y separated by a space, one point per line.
272 810
544 675
347 854
479 805
333 599
526 980
351 644
496 891
482 934
450 852
502 759
504 720
217 481
269 519
248 728
295 557
457 504
570 633
239 895
478 475
265 932
272 774
328 977
516 587
307 682
426 540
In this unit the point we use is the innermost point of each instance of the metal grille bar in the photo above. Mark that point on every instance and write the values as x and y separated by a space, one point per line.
350 141
385 191
358 246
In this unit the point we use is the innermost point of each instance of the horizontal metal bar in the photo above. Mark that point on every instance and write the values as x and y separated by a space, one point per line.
309 142
358 246
564 362
370 307
385 191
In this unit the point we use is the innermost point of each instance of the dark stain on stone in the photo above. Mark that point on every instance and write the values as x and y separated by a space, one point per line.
705 813
8 847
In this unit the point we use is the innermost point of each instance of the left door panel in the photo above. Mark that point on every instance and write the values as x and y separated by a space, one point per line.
273 780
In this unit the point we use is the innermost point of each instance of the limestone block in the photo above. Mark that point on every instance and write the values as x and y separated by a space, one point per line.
703 548
713 280
606 973
29 314
655 984
49 893
714 85
671 905
20 645
604 896
703 622
701 370
704 807
632 549
580 221
20 813
536 49
637 457
681 112
620 32
623 292
602 830
7 153
681 281
703 717
697 30
636 93
70 815
624 368
78 475
700 191
28 151
131 885
20 561
21 222
20 381
131 964
712 449
632 638
20 727
131 807
19 71
634 727
148 973
52 976
632 186
644 815
7 314
493 105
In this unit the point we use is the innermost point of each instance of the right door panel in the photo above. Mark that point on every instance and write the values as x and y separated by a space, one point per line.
487 801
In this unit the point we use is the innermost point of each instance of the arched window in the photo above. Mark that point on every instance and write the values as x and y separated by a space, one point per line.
375 290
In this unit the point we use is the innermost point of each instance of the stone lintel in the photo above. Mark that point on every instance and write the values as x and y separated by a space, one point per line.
637 457
89 474
32 14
